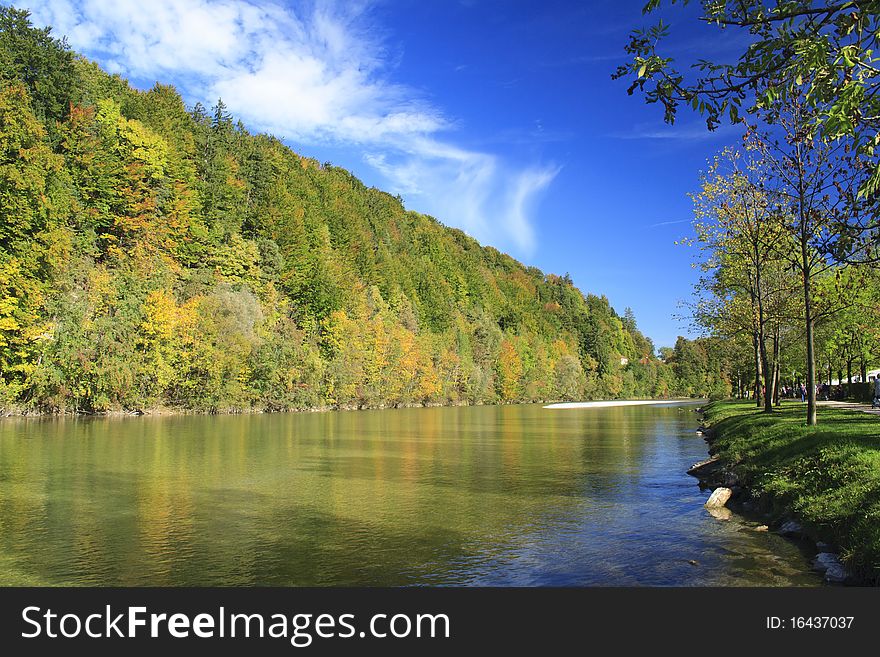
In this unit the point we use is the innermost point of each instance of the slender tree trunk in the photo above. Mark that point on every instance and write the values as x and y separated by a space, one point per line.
776 386
849 391
759 373
767 376
776 370
758 300
863 369
811 354
804 235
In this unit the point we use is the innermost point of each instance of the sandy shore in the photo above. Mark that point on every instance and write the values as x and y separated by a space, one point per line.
619 402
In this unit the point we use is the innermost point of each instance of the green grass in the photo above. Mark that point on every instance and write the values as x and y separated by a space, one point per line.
827 476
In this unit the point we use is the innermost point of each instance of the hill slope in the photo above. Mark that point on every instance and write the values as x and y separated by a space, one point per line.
155 255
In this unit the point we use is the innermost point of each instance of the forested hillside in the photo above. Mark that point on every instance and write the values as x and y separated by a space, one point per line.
157 255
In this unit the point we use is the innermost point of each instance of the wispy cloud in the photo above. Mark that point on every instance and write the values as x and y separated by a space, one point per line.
473 186
597 58
310 73
669 223
680 131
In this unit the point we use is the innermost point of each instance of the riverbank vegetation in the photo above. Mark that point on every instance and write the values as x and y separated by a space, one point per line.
787 220
153 254
828 476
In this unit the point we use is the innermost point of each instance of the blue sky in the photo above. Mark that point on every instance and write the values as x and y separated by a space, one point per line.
496 116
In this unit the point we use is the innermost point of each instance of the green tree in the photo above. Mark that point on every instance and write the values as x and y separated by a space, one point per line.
736 223
816 184
36 59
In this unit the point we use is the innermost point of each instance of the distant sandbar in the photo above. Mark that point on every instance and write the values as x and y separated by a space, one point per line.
619 402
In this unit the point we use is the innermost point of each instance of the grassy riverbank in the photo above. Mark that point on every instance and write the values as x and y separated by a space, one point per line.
827 476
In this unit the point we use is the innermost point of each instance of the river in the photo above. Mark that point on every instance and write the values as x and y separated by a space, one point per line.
507 495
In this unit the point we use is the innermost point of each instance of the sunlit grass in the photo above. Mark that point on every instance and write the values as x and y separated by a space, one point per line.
828 476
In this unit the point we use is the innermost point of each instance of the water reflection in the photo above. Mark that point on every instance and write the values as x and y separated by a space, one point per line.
487 495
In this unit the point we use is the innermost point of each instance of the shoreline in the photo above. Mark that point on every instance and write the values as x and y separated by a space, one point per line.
732 495
171 411
619 402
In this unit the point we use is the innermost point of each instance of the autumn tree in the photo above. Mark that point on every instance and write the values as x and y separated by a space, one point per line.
816 184
736 225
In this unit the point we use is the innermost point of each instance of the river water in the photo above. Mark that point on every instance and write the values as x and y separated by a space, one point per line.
508 495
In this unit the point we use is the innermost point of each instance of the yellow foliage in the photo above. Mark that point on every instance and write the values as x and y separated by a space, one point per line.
510 370
428 381
161 315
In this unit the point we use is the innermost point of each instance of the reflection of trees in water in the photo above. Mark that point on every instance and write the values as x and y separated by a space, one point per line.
619 444
350 497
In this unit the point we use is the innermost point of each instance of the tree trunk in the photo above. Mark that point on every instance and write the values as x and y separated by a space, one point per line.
776 367
769 380
759 374
776 386
758 300
849 391
811 354
804 235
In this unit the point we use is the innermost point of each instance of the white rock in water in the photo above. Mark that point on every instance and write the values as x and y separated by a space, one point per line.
720 512
718 498
826 560
836 574
791 528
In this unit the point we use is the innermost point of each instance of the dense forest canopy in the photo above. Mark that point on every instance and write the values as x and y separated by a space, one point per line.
153 254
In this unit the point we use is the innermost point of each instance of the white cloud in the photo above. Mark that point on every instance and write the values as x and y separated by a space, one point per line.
490 199
313 73
692 130
527 185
